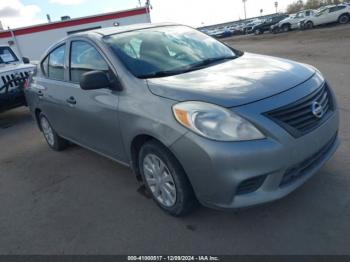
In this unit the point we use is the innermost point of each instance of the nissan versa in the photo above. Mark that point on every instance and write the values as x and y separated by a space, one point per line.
195 119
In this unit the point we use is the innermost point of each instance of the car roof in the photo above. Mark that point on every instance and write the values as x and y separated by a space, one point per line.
107 31
122 29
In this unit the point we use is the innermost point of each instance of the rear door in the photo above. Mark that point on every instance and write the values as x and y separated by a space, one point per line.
335 12
52 89
94 113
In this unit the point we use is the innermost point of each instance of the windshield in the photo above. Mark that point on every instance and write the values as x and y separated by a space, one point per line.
7 55
168 50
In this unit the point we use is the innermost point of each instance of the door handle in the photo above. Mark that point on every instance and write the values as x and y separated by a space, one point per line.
71 101
40 93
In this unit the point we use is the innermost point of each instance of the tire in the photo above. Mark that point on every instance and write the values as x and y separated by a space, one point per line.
170 188
285 28
344 19
309 25
54 141
257 32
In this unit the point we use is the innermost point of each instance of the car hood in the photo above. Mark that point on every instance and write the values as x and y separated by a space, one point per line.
4 68
287 19
240 81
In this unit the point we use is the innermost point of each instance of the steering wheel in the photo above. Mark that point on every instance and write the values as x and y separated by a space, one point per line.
181 56
132 50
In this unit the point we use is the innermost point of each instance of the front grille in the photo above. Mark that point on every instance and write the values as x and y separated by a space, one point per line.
303 168
250 185
13 80
298 118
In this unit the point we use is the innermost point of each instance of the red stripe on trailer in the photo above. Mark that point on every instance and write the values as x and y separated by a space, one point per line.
73 22
5 34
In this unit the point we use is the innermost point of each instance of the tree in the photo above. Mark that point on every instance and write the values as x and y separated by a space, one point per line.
332 2
295 7
313 4
310 4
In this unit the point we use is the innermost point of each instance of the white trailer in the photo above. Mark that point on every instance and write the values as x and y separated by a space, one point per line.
33 41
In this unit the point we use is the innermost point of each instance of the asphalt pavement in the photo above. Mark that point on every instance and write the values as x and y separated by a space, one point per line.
77 202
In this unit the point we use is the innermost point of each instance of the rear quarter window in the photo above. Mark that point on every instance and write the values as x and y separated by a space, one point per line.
45 66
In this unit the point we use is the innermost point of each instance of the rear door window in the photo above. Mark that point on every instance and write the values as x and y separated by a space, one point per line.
336 8
56 63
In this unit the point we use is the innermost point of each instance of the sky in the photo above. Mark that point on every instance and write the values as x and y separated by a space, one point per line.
21 13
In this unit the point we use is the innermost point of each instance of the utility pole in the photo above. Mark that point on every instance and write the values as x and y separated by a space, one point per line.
148 5
276 5
245 10
148 9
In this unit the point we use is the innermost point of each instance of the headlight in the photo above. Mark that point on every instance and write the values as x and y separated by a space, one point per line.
215 122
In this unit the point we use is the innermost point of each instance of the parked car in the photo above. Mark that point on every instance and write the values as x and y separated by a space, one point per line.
240 29
220 32
331 14
248 28
194 118
13 73
291 22
265 25
234 30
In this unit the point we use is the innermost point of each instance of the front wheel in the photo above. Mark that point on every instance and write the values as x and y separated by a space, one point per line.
344 19
309 25
257 32
54 141
286 28
166 180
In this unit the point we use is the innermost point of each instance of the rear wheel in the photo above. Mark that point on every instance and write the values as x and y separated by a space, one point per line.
165 179
344 19
55 142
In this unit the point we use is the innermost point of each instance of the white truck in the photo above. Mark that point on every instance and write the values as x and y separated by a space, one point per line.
13 74
292 22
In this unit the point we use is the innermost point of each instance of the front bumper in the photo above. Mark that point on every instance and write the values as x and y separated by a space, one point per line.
217 170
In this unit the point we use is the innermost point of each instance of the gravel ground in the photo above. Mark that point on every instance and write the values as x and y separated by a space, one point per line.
77 202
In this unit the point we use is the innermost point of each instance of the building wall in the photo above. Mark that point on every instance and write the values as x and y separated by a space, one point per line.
33 45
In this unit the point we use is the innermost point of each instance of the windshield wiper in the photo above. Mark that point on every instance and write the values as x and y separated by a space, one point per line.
161 74
210 61
193 67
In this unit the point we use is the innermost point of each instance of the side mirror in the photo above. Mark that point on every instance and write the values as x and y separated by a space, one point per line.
26 60
94 80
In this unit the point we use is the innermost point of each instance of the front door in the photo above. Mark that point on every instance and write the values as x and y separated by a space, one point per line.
323 17
94 113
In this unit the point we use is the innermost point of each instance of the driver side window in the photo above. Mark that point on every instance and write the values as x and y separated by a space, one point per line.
300 15
325 11
85 58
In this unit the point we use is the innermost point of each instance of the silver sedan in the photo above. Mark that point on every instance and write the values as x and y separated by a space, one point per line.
196 120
